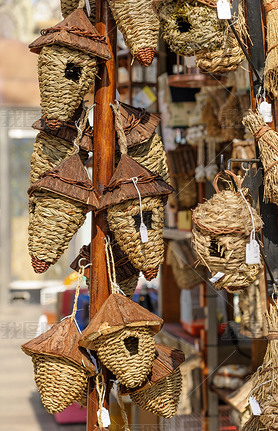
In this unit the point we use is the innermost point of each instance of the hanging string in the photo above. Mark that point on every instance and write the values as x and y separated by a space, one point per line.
122 141
115 288
79 281
253 231
100 387
123 410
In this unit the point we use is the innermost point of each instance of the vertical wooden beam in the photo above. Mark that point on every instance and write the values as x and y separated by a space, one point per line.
103 166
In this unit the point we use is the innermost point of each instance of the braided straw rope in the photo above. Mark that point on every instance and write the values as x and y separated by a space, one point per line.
53 221
205 33
127 353
61 96
140 27
143 256
268 146
123 410
161 398
68 6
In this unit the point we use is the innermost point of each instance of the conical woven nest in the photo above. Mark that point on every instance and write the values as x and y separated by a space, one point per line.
151 155
65 77
255 424
140 27
68 6
268 147
61 367
190 28
161 393
122 335
143 256
222 229
264 381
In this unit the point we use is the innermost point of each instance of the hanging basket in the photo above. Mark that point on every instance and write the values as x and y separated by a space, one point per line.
122 335
58 204
68 6
189 28
181 258
222 229
61 367
161 393
140 27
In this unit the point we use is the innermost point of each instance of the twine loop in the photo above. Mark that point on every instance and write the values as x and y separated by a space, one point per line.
115 288
101 389
122 407
79 281
122 141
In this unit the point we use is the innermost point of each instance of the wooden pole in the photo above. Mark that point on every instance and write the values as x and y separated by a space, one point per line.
103 166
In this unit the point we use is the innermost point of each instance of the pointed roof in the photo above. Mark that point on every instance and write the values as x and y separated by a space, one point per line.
121 188
68 179
60 340
116 313
167 360
75 31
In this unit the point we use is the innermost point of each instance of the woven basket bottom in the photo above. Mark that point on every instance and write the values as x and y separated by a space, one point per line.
128 286
145 56
59 381
163 397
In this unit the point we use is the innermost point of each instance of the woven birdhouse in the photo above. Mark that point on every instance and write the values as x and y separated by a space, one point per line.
122 334
160 393
61 367
182 165
139 26
127 213
68 6
182 259
222 230
126 274
58 203
68 56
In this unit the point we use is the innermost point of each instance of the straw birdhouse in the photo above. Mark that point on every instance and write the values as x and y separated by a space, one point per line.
222 229
161 392
59 201
268 147
122 335
271 71
68 56
140 27
61 367
182 259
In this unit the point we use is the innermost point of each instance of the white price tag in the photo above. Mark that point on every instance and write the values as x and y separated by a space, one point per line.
105 417
88 7
265 110
224 9
216 277
255 406
91 118
144 233
253 252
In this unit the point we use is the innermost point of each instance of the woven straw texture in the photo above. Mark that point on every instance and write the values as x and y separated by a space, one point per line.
53 220
143 256
128 286
222 229
189 28
68 6
270 70
152 156
128 354
59 381
255 424
140 27
268 146
251 313
163 397
48 152
61 95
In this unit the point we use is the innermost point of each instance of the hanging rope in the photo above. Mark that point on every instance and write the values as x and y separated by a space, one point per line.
79 281
123 410
100 386
115 288
122 141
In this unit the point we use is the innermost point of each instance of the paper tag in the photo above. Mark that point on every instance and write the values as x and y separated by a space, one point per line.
255 406
88 7
91 118
105 417
144 233
224 9
265 110
216 277
252 252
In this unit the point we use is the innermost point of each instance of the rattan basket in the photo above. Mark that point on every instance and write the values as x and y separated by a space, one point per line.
140 27
61 367
122 335
222 229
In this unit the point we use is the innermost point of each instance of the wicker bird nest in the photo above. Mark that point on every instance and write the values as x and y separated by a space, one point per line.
139 26
190 28
121 219
65 77
222 230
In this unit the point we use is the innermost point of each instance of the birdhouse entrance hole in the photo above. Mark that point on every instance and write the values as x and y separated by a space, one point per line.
215 249
131 344
147 218
73 72
183 26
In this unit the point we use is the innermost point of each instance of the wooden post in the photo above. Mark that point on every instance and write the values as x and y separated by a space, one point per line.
103 166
